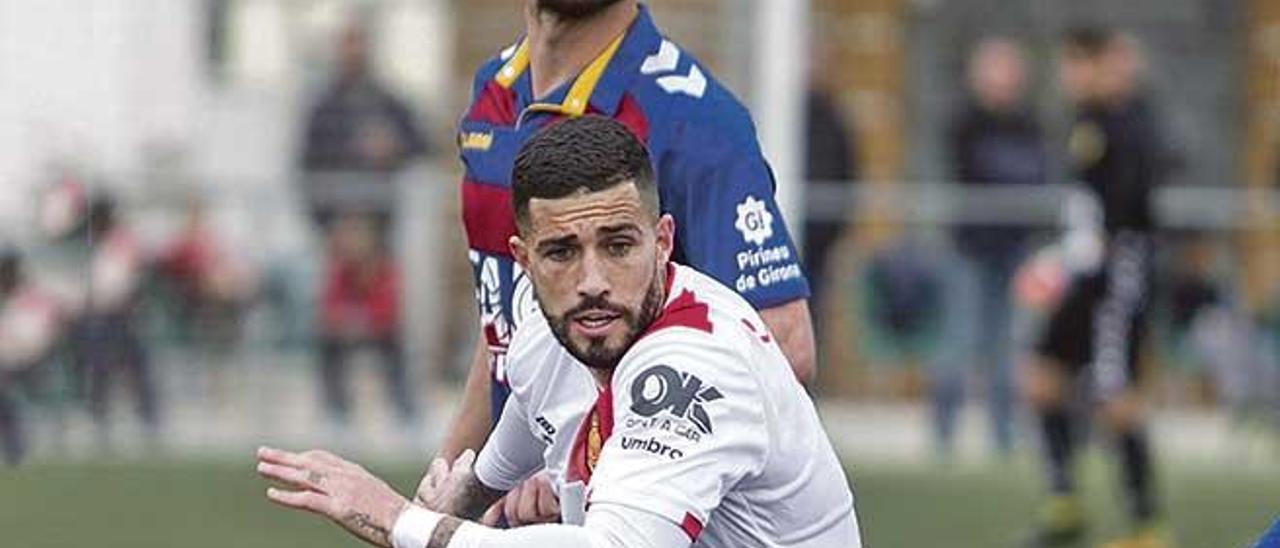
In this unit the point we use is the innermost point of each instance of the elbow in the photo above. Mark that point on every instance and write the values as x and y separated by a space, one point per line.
805 366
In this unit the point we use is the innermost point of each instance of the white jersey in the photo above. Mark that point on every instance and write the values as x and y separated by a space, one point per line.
703 424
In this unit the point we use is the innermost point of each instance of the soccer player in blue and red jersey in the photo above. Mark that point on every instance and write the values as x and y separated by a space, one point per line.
607 57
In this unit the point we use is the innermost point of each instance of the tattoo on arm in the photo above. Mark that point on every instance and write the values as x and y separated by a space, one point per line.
475 498
444 531
363 523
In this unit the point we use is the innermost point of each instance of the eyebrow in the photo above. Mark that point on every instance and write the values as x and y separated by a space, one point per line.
619 228
554 242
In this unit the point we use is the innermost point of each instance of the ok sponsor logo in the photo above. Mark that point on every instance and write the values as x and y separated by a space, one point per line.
663 389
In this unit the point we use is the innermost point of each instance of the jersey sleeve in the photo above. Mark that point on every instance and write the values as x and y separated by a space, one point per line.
720 190
512 453
688 426
608 526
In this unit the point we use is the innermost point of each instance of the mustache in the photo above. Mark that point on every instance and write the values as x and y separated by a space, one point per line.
595 303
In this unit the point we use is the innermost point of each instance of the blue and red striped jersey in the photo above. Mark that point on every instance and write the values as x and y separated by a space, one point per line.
712 177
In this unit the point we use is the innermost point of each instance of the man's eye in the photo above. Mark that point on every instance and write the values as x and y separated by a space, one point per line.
559 254
618 249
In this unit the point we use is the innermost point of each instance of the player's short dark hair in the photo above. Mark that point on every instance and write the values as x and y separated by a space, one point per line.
584 154
1088 40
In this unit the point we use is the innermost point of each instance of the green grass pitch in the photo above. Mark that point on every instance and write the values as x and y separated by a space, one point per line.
221 504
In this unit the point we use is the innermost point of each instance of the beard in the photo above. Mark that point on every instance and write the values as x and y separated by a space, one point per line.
597 354
574 9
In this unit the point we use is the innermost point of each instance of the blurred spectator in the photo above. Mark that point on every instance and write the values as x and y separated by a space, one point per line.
211 284
358 135
831 163
29 324
993 140
1221 334
360 306
105 339
904 290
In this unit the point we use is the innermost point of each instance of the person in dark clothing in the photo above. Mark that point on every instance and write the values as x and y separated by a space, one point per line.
12 441
30 326
359 136
993 140
360 308
1096 332
358 133
831 165
106 342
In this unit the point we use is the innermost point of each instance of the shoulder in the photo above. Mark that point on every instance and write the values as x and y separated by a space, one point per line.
702 329
488 70
533 349
685 98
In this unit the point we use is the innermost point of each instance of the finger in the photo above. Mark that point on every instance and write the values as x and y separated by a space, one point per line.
464 461
279 456
527 508
548 504
490 517
436 474
509 508
310 501
288 475
432 484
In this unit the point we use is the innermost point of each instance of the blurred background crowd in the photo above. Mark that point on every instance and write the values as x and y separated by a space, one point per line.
233 222
230 220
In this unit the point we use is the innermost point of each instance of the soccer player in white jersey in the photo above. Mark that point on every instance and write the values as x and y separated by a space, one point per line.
666 412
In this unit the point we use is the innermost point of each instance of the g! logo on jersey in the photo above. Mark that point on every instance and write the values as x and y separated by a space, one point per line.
661 388
754 221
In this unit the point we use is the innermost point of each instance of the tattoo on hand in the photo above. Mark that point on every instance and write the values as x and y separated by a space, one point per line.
444 531
365 524
475 498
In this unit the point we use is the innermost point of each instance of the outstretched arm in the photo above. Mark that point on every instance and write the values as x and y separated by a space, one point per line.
365 506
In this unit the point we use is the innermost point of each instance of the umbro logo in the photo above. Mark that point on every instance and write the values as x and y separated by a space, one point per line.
661 388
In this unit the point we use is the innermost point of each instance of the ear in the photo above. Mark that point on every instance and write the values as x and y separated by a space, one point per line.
520 251
665 233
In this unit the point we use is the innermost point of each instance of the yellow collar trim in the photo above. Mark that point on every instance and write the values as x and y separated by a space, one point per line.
575 102
515 66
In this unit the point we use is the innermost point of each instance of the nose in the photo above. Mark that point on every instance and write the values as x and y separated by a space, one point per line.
593 282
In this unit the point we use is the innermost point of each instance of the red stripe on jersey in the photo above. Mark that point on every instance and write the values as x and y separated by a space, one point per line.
495 105
586 450
632 116
691 526
752 328
577 469
487 215
685 311
604 406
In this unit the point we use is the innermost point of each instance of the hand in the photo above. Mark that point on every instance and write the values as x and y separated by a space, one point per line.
443 483
342 491
530 503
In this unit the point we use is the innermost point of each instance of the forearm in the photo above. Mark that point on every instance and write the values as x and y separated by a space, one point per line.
606 527
472 500
512 453
791 325
472 423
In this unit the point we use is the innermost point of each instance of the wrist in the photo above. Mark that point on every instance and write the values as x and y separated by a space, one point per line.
413 527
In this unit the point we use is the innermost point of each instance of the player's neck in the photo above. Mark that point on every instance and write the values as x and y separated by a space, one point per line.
602 376
559 49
